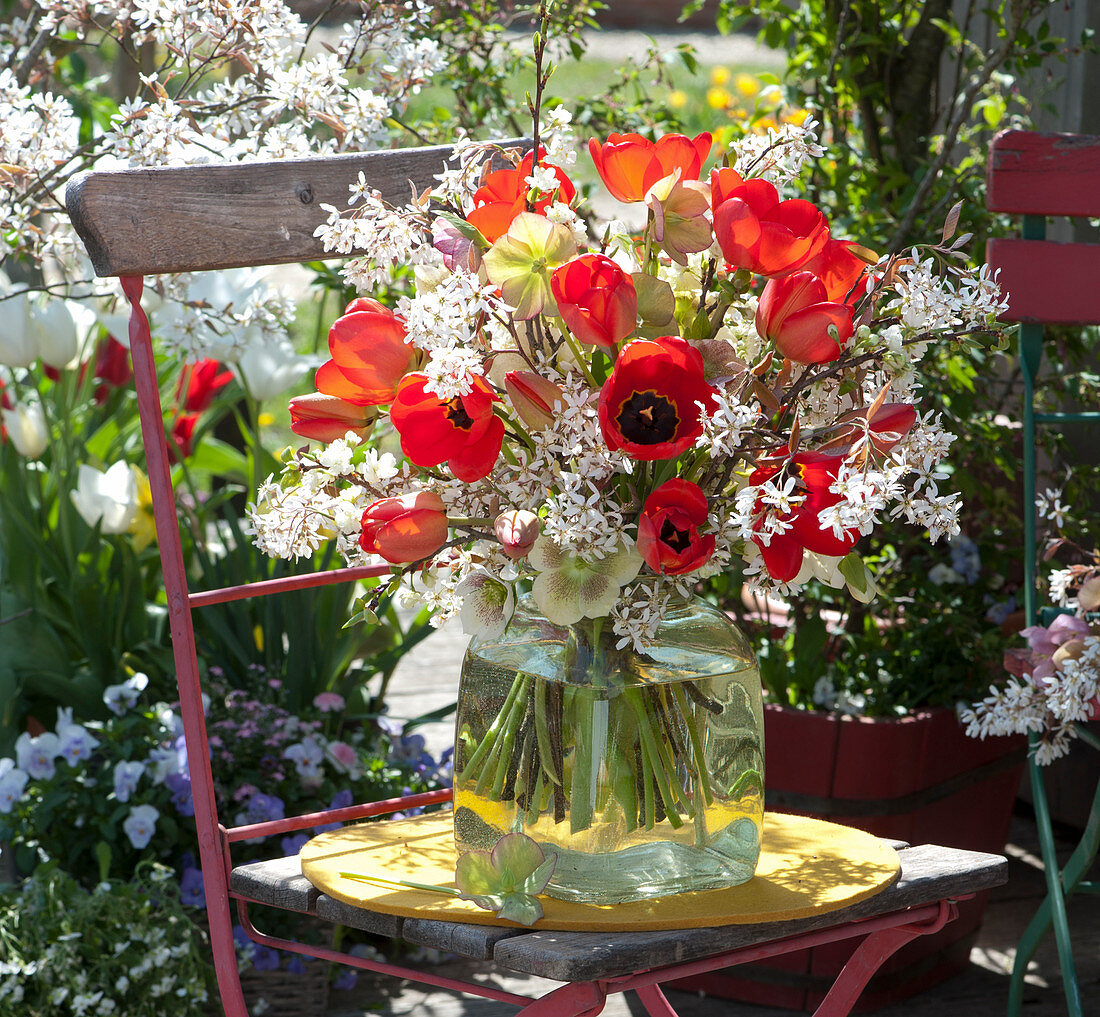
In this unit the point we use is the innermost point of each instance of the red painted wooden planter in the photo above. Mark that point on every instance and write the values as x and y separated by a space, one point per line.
917 779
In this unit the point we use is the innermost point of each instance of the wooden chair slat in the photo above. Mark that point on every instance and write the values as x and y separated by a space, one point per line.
278 882
1046 281
209 217
475 941
928 873
1044 174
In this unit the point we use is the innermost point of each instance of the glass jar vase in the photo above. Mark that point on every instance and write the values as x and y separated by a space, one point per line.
642 772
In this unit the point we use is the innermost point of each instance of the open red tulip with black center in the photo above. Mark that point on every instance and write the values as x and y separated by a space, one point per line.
648 406
462 432
815 473
796 314
668 528
757 231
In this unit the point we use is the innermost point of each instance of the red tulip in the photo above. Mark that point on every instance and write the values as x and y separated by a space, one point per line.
668 529
795 313
370 355
112 363
596 299
183 430
503 196
326 418
534 398
406 528
840 270
815 473
759 232
647 406
463 432
199 383
629 165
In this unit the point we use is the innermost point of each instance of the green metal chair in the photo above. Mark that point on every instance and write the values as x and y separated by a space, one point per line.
1035 176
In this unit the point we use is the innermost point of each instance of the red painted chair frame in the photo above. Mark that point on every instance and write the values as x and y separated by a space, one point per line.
1035 176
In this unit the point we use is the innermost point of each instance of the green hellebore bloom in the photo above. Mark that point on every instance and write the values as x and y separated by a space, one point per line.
522 261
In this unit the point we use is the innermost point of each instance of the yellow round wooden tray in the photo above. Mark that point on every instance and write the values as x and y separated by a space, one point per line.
807 867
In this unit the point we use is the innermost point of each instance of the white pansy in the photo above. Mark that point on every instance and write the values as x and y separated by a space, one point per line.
108 499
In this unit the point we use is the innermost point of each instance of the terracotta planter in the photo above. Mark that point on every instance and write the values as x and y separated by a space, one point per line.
918 779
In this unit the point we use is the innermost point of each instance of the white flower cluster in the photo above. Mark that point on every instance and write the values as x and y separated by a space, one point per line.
779 154
1050 707
929 300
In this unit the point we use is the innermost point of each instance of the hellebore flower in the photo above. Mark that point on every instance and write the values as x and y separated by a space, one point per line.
568 588
629 165
533 397
487 605
503 196
815 473
406 528
668 529
370 355
521 261
648 406
796 315
326 417
596 299
757 231
507 879
463 431
840 270
679 210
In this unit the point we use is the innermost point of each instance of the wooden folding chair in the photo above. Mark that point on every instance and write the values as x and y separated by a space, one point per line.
1035 176
148 221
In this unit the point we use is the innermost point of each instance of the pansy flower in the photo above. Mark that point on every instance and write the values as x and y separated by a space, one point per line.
649 405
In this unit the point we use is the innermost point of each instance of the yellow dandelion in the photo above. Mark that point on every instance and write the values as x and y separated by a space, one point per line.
720 76
764 124
718 98
747 85
677 99
265 419
796 117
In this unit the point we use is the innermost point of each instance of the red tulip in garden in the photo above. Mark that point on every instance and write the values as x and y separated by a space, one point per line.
406 528
504 193
370 355
805 326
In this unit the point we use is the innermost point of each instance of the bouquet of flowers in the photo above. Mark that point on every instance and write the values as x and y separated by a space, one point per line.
601 416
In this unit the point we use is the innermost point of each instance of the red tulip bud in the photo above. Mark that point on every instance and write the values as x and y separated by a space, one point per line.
517 531
405 529
325 418
533 397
